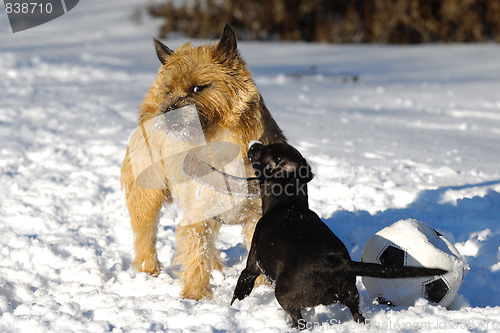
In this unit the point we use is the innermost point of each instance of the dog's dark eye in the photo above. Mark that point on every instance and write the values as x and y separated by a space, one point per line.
199 89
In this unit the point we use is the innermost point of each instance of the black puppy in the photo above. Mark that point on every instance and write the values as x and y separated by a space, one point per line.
294 249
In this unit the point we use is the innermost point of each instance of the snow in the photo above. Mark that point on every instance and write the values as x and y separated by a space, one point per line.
416 136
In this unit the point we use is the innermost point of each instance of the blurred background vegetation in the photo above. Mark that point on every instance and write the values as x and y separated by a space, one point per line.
335 21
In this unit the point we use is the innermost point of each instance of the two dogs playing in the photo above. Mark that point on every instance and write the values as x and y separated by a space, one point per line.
216 80
290 246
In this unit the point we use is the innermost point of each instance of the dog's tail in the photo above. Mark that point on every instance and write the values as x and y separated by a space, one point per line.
390 272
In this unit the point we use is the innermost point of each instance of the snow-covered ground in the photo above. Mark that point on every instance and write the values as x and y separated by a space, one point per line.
416 136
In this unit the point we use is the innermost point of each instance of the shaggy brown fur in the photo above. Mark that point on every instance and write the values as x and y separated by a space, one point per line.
215 79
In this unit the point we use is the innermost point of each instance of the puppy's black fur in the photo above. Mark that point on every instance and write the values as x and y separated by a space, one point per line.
294 249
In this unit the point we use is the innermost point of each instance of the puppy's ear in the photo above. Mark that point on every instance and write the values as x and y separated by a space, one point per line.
307 175
162 51
227 43
300 171
289 167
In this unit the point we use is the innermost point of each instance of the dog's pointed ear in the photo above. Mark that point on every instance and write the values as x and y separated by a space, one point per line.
162 51
227 43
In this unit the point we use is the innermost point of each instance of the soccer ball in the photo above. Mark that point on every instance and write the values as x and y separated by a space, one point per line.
412 243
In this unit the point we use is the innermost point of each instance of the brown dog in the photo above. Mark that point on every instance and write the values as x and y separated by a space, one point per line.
216 80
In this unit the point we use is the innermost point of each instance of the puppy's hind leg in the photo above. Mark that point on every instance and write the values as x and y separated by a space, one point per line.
287 296
295 314
352 302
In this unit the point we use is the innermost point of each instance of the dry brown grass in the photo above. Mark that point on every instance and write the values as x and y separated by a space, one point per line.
366 21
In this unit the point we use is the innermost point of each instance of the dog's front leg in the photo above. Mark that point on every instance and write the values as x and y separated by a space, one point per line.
198 256
245 284
144 208
247 278
252 214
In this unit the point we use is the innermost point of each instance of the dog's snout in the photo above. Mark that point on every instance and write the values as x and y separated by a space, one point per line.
176 104
254 142
255 151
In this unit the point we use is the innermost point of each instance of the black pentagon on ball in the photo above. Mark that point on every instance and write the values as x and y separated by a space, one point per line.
437 233
392 256
435 291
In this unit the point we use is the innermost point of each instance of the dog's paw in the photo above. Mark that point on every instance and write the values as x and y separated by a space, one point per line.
196 284
261 280
197 294
151 267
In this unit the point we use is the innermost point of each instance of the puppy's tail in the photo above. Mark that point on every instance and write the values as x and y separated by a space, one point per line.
390 272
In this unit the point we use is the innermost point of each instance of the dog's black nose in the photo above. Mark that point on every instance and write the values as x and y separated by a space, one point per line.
170 108
177 104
